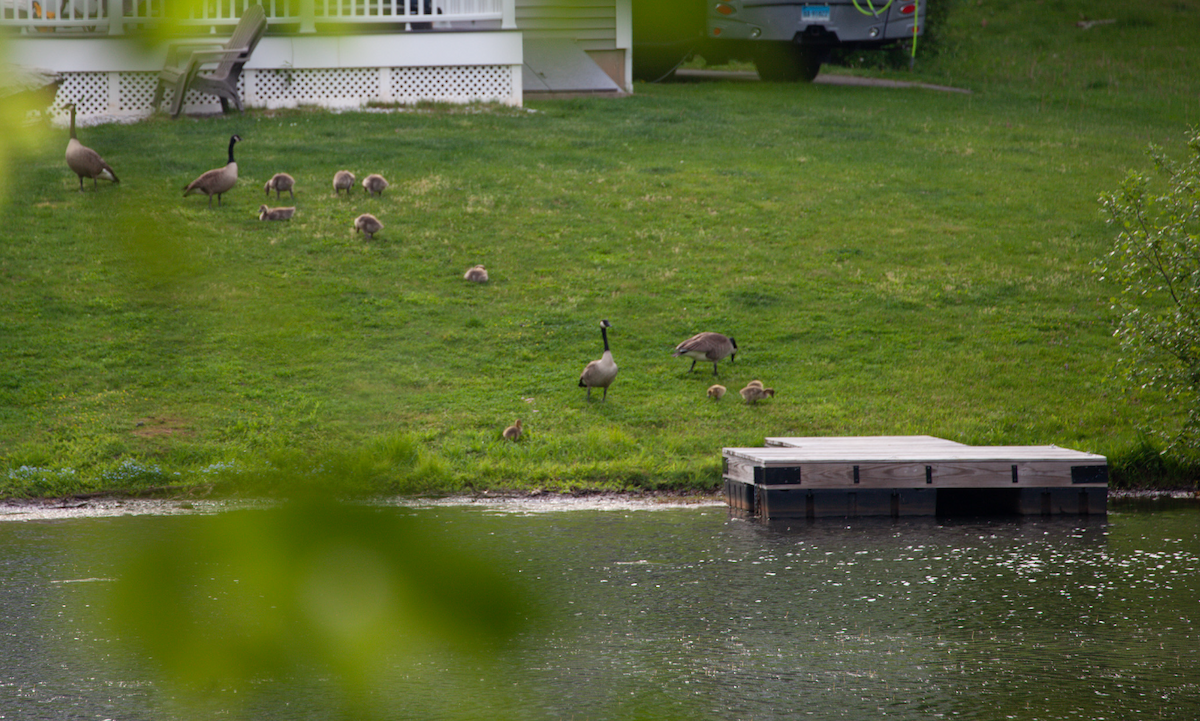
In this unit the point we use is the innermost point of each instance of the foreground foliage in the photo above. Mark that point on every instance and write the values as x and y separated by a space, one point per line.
310 593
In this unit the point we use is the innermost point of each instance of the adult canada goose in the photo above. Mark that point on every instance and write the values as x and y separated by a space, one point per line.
374 184
85 162
368 224
716 391
754 393
600 373
513 432
280 182
707 347
265 213
217 181
343 180
478 274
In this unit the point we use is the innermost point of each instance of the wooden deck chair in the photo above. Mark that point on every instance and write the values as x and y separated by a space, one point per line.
229 58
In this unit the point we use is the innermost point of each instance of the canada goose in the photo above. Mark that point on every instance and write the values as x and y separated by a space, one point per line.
716 391
265 213
84 161
754 393
513 432
374 184
707 347
217 181
343 180
755 383
600 373
478 274
368 224
280 182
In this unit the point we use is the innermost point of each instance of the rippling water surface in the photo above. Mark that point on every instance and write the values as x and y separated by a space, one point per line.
688 613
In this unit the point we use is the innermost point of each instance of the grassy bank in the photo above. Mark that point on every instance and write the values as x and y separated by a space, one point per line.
891 261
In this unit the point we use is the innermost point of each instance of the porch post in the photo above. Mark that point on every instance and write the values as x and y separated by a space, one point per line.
114 93
385 85
508 15
115 10
308 16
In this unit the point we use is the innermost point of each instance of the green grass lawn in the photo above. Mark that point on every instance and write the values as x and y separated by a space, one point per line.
892 261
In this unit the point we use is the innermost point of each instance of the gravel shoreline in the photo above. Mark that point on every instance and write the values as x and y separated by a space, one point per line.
112 506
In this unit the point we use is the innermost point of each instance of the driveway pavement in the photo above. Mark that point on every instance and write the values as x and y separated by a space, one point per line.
821 79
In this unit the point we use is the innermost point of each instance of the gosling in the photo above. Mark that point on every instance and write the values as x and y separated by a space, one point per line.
478 274
265 213
280 182
343 180
368 224
374 184
716 391
513 432
755 393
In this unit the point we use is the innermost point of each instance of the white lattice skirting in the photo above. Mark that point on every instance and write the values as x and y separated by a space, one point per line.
132 93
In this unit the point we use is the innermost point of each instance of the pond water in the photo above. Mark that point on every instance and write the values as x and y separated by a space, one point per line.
687 612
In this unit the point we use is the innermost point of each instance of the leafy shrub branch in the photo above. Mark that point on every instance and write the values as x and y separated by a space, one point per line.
1155 261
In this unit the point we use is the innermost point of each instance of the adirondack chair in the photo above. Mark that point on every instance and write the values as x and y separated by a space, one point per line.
229 58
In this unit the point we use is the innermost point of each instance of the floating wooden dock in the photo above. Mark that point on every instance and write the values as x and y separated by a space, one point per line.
911 476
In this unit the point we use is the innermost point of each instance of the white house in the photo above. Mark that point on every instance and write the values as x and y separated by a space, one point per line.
331 53
558 33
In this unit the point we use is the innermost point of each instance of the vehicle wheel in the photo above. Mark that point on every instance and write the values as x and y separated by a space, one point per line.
786 62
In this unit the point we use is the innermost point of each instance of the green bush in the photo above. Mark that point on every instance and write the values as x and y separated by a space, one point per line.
1155 262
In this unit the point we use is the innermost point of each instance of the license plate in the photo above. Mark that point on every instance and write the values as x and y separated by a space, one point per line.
814 13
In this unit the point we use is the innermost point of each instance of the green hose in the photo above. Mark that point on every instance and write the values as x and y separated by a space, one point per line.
871 5
916 27
876 12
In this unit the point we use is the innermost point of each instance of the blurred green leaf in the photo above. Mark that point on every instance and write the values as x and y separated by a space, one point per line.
308 587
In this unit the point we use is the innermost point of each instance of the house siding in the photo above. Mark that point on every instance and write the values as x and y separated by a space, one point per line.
591 23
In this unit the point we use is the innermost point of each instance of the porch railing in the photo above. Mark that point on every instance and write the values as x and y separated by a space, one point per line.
94 16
